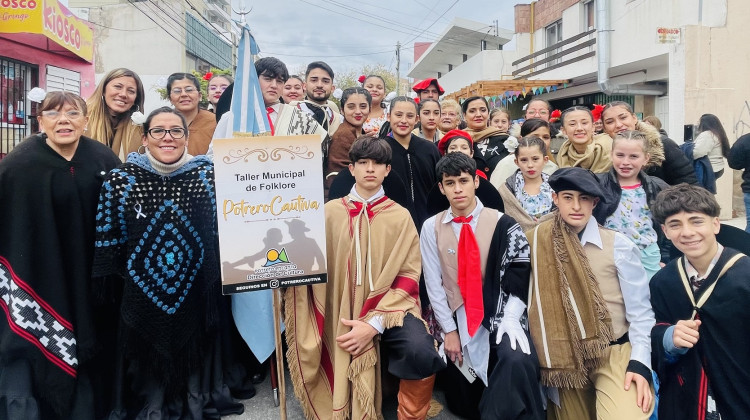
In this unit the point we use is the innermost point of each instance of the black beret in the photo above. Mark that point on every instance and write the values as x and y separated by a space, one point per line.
576 179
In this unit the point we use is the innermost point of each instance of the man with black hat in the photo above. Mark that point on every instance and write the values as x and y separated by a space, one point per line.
428 89
589 309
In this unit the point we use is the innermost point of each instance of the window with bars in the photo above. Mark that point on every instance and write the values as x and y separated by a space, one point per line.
17 113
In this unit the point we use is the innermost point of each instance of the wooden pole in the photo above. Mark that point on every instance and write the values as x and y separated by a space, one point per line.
279 352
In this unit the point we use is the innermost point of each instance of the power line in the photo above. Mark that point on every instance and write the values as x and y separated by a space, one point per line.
165 22
210 23
433 22
329 56
118 29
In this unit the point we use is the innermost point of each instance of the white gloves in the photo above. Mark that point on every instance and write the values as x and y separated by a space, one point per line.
511 324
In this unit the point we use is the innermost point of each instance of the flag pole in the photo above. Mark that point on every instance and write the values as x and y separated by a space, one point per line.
279 353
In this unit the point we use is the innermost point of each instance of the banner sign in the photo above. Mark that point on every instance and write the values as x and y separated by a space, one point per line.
51 19
271 220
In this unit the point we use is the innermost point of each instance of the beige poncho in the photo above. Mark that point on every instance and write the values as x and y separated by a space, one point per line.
328 381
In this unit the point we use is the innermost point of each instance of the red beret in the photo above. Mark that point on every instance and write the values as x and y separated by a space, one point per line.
426 83
444 142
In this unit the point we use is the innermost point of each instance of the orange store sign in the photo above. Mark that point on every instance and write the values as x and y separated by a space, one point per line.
51 19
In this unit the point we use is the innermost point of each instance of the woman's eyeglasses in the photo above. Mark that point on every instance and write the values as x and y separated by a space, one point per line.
188 90
160 133
71 115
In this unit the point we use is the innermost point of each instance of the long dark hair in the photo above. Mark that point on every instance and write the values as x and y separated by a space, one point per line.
710 122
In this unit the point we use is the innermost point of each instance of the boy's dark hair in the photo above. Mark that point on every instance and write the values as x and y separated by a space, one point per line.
319 65
368 147
454 164
684 197
272 67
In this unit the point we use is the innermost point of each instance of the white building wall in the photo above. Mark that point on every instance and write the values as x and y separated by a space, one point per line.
487 65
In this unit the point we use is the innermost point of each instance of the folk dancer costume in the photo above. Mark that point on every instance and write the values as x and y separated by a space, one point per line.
338 153
328 116
595 158
373 271
489 149
48 336
415 165
711 378
589 315
527 210
509 378
156 240
200 132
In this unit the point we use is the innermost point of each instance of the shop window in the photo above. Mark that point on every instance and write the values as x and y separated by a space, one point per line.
17 113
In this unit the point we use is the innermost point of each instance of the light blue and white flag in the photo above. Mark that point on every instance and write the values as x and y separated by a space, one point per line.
248 108
252 311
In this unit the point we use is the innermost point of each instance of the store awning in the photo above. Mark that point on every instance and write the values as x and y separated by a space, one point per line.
507 90
48 25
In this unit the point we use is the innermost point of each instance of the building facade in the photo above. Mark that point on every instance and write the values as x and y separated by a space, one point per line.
156 38
42 44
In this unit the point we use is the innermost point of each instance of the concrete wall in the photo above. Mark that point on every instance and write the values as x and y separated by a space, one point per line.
487 65
135 48
715 74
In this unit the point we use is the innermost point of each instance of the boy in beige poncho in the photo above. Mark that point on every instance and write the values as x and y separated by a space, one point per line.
372 291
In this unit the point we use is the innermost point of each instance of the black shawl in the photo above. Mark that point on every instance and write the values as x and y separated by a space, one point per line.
158 233
46 248
416 167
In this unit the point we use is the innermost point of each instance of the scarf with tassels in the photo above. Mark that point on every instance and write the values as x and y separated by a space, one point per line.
373 272
568 317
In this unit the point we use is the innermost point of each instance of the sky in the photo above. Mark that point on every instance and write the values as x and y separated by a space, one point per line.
349 34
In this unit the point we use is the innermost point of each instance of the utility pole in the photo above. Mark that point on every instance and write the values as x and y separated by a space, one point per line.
398 67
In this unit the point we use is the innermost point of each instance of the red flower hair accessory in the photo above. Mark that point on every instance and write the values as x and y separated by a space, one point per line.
362 78
555 115
597 112
208 76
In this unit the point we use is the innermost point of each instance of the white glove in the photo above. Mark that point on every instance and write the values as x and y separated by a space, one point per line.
511 325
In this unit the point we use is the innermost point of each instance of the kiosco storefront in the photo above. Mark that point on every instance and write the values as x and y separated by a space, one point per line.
41 44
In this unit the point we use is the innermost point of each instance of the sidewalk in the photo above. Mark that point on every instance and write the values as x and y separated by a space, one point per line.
261 407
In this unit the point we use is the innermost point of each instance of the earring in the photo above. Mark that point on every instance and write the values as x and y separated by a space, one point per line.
140 152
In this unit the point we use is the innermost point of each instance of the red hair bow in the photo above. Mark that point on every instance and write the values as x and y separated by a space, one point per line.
208 76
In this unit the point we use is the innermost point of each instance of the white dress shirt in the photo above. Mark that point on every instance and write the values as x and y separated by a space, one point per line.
635 291
475 349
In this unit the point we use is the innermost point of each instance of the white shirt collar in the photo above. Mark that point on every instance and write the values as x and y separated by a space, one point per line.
377 196
591 234
474 214
690 271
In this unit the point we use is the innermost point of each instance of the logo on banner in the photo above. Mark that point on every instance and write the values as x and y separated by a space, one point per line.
273 257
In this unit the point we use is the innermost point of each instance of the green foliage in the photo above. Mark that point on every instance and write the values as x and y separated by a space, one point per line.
204 85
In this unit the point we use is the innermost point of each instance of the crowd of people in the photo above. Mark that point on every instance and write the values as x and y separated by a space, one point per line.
563 266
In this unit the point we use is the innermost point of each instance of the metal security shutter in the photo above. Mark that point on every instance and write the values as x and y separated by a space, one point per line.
63 79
